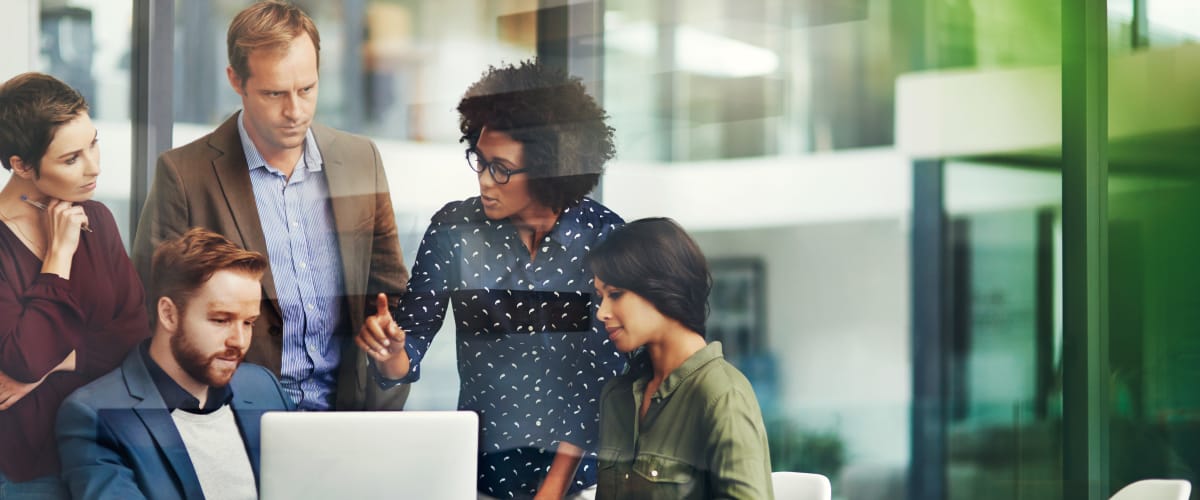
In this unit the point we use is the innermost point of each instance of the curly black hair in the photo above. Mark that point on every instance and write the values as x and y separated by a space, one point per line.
562 129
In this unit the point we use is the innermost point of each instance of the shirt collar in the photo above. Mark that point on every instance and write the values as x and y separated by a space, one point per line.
567 226
313 161
175 396
565 229
677 377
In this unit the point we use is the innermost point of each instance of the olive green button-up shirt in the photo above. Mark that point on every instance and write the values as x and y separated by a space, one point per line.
702 437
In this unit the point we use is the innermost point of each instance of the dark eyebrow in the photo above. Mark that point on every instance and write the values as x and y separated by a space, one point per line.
69 154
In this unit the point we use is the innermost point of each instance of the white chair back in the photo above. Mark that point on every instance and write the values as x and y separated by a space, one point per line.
800 486
1155 489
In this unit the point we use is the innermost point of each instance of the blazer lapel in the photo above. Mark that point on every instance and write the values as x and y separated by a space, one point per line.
249 417
349 202
233 178
153 413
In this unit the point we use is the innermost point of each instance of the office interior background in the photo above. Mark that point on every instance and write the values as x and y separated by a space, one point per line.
953 241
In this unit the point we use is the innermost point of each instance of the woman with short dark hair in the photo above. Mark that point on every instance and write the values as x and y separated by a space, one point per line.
683 423
531 358
71 305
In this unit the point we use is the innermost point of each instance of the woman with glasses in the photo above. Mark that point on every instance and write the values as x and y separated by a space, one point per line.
531 358
683 423
71 305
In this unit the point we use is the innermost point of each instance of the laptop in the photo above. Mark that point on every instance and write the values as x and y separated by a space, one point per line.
369 455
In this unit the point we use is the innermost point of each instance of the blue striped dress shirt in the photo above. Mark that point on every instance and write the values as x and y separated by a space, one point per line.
302 245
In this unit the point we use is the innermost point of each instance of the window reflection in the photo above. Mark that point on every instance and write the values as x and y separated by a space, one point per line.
393 70
766 130
86 44
1003 354
1136 24
781 134
1154 413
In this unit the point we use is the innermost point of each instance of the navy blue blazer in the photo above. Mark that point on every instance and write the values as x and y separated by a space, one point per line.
117 440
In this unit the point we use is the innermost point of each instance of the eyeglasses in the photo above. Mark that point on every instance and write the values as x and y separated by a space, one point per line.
498 171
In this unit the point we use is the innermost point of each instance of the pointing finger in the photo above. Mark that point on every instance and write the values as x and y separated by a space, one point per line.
381 305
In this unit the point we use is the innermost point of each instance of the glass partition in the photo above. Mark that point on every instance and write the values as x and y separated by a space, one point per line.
783 135
1153 192
987 105
392 70
86 43
1004 347
765 129
789 151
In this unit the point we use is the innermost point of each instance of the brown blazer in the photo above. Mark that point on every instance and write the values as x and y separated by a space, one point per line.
206 183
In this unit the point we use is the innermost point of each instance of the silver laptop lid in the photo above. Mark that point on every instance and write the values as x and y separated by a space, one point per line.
369 455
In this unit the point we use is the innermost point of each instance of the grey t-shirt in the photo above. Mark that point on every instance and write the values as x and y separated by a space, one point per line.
218 454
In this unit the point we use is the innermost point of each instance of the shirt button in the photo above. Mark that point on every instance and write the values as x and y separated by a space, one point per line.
626 475
310 307
653 473
295 224
303 265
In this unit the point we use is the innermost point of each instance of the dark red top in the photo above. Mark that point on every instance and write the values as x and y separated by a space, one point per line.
99 313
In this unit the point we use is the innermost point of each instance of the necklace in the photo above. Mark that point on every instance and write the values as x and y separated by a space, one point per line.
17 225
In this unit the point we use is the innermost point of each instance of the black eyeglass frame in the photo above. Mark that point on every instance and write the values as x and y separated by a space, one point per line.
500 173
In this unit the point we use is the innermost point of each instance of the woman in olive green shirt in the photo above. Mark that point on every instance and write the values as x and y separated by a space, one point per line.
682 423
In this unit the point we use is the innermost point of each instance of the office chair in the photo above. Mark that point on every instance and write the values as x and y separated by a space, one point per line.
1155 489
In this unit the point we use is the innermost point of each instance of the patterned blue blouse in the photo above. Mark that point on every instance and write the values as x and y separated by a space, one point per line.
531 357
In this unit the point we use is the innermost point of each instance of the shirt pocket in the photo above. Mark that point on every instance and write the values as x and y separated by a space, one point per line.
666 477
608 476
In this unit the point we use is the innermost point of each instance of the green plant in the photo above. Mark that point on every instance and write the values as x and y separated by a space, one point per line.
794 448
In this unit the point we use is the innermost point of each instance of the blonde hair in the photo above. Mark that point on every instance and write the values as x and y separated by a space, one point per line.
269 25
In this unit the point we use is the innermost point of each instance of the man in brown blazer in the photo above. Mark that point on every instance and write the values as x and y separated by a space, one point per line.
313 199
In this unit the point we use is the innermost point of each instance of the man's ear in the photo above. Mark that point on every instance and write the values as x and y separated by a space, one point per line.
234 80
20 168
168 314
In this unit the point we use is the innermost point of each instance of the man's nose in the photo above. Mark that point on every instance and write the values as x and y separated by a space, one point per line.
240 338
291 106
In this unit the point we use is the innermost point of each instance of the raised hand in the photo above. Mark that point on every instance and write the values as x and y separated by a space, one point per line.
63 221
382 339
